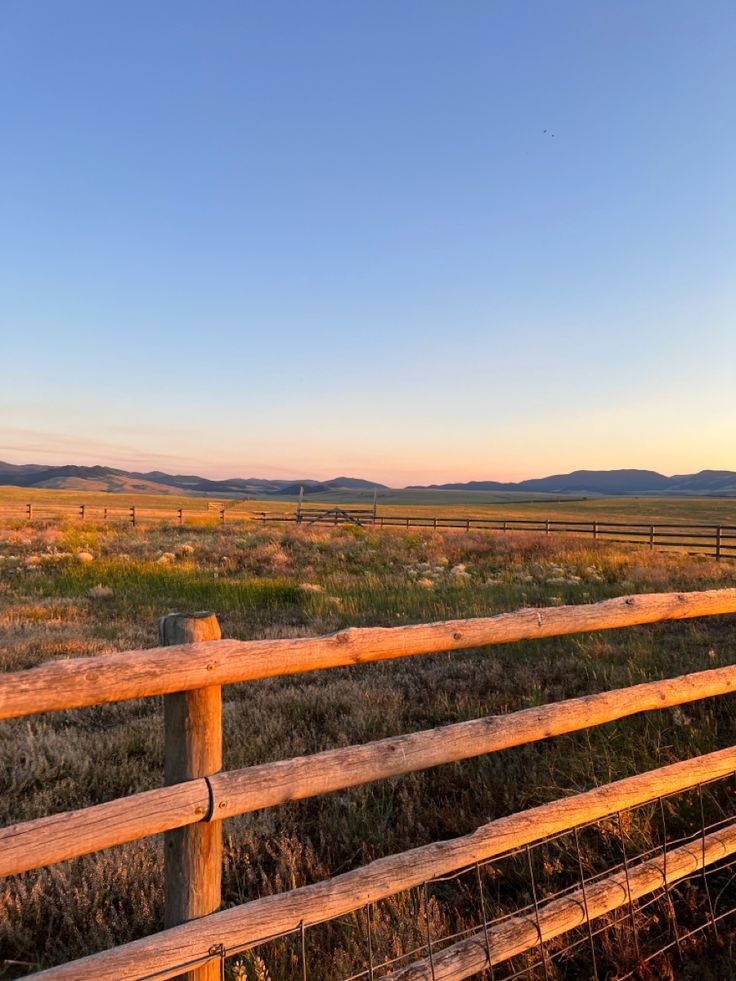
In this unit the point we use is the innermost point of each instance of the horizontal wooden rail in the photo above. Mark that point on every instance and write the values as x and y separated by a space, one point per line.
270 784
522 933
695 538
73 833
76 682
326 514
163 954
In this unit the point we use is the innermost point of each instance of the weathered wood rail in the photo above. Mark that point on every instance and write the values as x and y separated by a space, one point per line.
715 540
198 797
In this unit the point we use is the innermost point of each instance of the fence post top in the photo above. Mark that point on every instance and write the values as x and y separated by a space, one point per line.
189 628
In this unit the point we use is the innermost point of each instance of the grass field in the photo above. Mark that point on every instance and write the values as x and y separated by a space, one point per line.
479 504
71 590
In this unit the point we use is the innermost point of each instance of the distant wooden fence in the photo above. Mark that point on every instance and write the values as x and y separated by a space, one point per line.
191 808
715 540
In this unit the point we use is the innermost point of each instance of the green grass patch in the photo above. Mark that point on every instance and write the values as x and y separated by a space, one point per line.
150 587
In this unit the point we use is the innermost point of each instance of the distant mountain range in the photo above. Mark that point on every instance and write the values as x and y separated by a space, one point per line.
155 482
721 482
606 482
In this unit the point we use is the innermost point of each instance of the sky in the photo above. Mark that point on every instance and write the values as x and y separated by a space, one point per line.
411 241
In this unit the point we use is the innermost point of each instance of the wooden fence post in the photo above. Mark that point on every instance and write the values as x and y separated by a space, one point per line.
181 517
595 531
222 516
132 515
299 505
29 511
192 748
81 512
651 536
718 543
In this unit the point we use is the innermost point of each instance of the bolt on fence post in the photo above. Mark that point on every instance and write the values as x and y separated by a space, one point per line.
192 748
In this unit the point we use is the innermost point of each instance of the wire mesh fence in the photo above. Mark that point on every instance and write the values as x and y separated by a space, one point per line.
495 919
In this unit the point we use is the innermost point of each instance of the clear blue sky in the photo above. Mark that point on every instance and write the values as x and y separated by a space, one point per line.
301 238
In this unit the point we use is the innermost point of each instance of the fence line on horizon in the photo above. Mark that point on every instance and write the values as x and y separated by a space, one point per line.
711 539
198 796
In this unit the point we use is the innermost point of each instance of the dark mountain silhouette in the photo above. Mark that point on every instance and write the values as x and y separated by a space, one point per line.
355 483
605 482
156 481
608 482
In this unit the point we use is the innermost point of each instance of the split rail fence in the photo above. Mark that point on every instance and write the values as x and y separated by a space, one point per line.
715 540
190 809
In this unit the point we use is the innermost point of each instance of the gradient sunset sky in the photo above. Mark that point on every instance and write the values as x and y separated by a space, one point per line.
412 241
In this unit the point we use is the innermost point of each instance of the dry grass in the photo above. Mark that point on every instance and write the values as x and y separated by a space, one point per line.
280 582
64 504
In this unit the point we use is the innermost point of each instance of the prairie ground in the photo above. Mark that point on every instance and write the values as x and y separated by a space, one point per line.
69 589
64 504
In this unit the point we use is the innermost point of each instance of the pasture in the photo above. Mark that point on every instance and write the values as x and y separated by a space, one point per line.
72 589
447 504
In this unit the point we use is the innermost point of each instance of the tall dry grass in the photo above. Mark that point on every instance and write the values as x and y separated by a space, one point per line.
75 590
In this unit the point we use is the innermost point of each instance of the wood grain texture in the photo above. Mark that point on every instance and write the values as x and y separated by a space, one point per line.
90 681
73 833
163 953
192 749
269 784
519 934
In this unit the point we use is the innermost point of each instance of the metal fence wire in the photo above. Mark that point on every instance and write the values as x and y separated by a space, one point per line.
472 922
694 538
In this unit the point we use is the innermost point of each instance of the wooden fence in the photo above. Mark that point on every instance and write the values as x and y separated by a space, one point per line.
198 797
715 540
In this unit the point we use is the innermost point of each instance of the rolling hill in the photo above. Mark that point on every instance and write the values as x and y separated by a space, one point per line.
721 483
